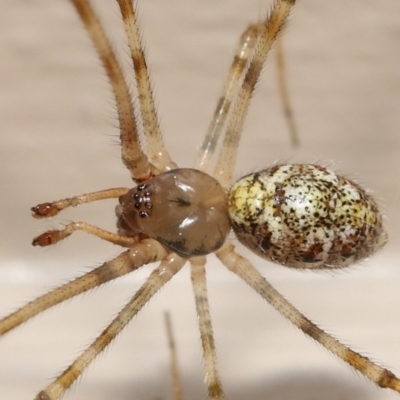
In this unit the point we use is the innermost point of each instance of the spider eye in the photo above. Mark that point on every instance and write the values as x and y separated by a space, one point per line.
305 216
184 209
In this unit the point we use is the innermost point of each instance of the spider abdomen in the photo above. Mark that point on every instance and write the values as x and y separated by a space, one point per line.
184 209
305 216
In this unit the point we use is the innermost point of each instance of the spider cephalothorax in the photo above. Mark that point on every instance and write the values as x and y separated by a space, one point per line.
173 207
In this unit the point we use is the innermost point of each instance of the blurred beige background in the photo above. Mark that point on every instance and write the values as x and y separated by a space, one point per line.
58 138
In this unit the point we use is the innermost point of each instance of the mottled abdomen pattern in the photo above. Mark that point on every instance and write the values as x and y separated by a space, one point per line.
305 216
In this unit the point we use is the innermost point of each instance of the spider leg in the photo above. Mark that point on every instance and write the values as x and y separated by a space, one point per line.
140 254
272 26
132 154
155 145
283 89
46 210
54 236
243 54
168 267
245 270
176 380
198 275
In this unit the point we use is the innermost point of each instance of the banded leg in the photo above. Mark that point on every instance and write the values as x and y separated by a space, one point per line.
157 279
272 25
155 145
241 59
132 155
198 275
142 253
245 270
